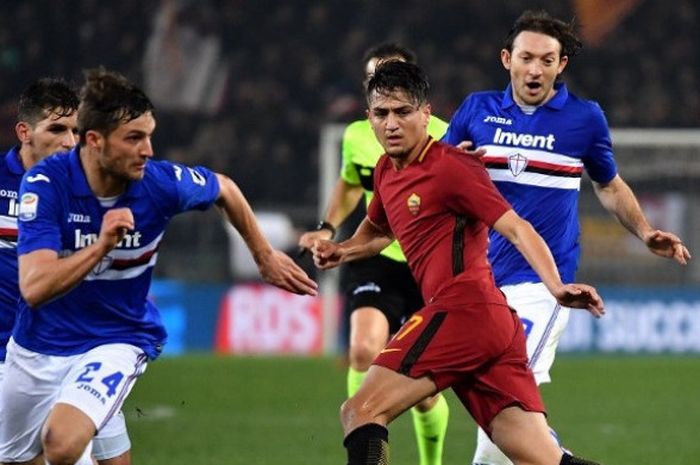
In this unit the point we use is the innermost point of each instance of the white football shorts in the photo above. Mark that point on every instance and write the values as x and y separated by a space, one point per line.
544 321
96 382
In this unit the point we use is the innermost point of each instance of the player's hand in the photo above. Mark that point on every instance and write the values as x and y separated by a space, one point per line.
666 244
279 270
580 296
466 147
115 224
327 254
306 241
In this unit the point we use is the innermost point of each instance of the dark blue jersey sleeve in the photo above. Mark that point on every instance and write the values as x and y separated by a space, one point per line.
458 129
39 212
183 188
598 159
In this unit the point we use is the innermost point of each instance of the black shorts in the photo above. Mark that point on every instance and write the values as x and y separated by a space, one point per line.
385 284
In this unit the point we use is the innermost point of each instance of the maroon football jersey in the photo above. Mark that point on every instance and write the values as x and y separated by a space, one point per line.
438 207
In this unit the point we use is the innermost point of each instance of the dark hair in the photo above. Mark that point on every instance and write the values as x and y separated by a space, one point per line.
388 50
395 75
108 100
45 96
542 22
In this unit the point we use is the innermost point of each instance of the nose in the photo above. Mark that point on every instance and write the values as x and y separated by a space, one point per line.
534 69
69 140
392 122
146 149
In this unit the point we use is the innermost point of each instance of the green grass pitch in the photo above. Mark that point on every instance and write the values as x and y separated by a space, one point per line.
202 409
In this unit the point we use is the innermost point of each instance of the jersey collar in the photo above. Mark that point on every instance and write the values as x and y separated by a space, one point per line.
555 103
14 162
80 185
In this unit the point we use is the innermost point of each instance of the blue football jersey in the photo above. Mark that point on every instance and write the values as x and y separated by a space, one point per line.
536 161
11 171
58 211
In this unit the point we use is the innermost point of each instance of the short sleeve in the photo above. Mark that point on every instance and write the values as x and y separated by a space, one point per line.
40 211
598 159
350 146
194 188
458 128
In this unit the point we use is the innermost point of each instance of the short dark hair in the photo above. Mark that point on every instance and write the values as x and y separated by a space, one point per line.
107 100
543 23
45 96
388 50
391 76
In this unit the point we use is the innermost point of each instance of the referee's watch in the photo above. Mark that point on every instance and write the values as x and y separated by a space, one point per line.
328 226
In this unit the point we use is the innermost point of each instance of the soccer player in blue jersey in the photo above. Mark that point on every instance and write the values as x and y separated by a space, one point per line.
90 225
46 123
382 293
536 139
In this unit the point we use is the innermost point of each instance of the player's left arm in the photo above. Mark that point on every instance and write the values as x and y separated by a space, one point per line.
531 245
275 266
367 241
617 198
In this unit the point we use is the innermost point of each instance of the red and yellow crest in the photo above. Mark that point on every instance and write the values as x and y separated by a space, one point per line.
413 203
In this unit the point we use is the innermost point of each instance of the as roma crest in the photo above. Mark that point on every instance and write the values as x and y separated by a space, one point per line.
413 203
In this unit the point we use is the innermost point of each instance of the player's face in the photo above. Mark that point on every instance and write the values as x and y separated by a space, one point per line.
52 134
399 124
534 65
128 148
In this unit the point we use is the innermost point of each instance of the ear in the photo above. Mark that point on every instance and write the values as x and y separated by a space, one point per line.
562 64
94 140
505 58
23 130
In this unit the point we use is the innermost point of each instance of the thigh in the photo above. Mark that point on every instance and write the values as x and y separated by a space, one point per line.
112 441
384 395
544 321
449 342
31 387
100 380
505 381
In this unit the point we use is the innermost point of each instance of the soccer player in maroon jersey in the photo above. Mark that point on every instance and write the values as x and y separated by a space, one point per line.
439 203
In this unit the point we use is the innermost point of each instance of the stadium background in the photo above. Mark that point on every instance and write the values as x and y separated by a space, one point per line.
246 88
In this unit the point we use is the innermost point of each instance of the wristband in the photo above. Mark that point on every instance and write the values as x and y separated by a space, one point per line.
328 226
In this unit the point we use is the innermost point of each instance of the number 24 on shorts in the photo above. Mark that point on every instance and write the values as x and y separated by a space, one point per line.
111 381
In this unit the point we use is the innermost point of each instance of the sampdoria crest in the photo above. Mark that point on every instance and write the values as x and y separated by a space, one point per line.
413 203
517 163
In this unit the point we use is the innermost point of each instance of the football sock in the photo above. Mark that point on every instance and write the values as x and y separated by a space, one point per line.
430 428
355 379
567 459
368 445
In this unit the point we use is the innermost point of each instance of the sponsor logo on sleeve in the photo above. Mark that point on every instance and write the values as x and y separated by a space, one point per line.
37 178
28 206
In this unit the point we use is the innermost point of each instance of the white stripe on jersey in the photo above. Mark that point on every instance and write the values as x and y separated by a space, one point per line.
530 154
8 222
7 244
115 275
534 179
109 274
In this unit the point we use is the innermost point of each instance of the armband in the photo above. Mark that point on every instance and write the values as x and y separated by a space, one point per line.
328 226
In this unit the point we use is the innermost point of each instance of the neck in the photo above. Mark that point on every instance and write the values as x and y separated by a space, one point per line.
402 162
27 158
101 182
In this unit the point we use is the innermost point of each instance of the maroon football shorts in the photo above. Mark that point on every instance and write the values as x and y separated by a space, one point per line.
476 349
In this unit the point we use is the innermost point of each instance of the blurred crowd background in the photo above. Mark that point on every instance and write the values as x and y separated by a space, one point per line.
244 87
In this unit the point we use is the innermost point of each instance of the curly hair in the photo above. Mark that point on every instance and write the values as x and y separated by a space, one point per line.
542 22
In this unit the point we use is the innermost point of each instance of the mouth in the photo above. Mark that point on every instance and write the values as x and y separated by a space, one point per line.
533 87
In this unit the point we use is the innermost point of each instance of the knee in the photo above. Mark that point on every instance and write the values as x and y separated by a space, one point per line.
363 353
61 450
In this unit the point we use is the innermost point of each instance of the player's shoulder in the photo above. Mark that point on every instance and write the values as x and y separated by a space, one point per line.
450 157
55 168
583 106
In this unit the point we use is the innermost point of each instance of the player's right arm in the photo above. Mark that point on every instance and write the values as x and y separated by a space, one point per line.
343 201
43 275
531 245
368 240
